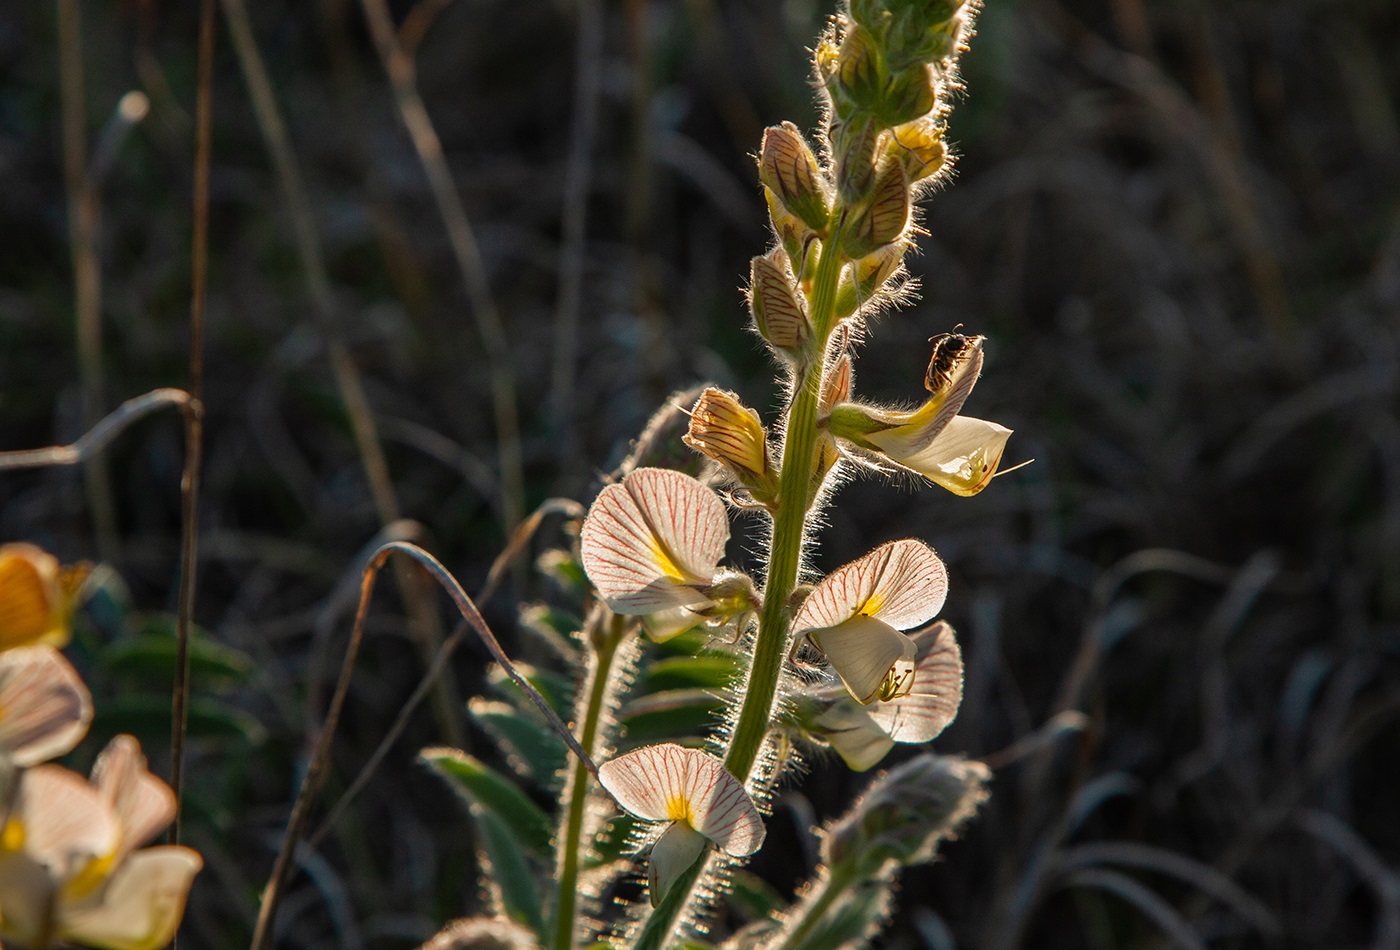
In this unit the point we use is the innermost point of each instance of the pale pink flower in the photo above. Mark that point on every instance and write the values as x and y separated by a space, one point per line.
697 797
652 544
44 707
856 613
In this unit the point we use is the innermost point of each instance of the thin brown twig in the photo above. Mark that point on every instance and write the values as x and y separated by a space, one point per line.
99 436
194 438
320 759
490 328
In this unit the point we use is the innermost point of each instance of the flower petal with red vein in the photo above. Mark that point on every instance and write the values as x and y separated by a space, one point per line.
901 583
45 709
933 700
143 804
668 782
648 541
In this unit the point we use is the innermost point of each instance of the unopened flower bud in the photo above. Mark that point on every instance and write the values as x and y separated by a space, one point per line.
919 147
910 94
859 69
870 14
836 384
853 145
885 216
730 433
789 170
907 813
864 278
797 240
776 307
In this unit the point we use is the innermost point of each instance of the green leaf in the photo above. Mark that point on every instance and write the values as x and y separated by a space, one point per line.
709 671
151 654
533 750
672 714
509 870
557 690
482 787
148 718
611 843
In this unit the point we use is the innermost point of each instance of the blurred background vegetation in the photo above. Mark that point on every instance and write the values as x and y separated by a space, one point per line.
1177 222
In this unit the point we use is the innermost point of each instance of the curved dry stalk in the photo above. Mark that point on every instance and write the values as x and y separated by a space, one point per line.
320 759
519 539
100 435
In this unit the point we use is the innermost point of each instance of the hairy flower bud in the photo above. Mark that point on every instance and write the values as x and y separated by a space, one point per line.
909 95
884 217
777 309
919 148
789 170
853 144
907 813
865 277
729 432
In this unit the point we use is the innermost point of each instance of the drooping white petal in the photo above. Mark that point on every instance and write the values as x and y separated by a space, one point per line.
671 856
668 782
870 656
950 380
142 904
649 540
44 707
143 804
665 624
933 700
855 735
964 457
902 583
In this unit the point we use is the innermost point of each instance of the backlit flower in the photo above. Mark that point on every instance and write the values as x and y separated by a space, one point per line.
855 614
957 452
651 545
69 865
695 795
44 707
37 596
862 735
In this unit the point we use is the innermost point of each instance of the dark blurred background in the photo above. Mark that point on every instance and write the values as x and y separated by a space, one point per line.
1177 223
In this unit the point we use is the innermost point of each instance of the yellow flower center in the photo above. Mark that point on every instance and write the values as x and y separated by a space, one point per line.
668 566
12 837
90 878
678 809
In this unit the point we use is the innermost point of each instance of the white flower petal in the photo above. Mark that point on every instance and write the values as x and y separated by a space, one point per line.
665 624
668 782
964 457
870 656
854 734
932 702
64 820
902 583
143 803
647 541
950 381
44 707
671 856
142 904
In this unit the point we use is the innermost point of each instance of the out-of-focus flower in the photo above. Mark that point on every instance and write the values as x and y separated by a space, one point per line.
69 865
37 596
957 452
483 933
44 707
856 613
697 797
652 544
862 735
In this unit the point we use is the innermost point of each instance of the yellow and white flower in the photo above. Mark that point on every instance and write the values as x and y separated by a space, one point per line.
652 544
863 735
695 795
856 613
37 596
70 870
957 452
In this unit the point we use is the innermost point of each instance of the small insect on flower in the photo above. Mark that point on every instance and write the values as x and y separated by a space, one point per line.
45 709
652 546
37 596
856 613
863 735
695 795
70 870
950 352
